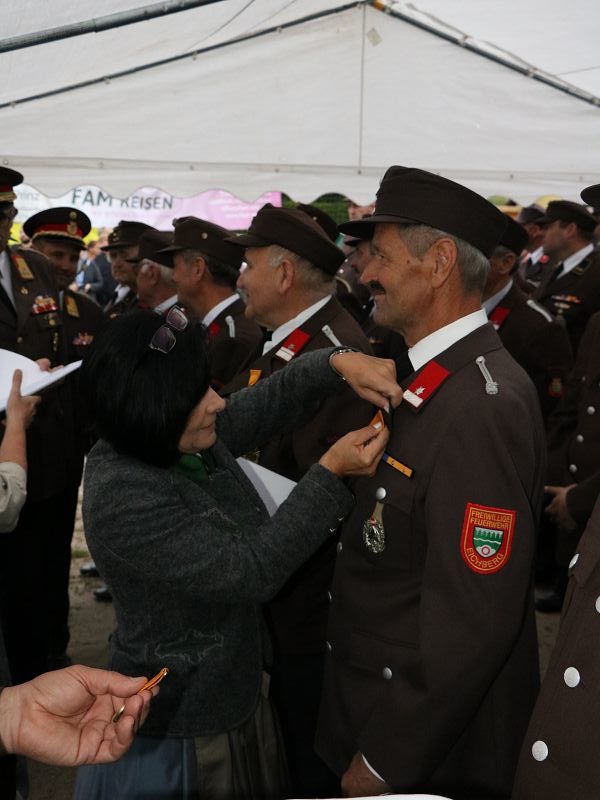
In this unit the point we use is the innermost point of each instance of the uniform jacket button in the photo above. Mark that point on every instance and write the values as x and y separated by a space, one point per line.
539 750
339 547
387 673
19 340
598 604
333 529
574 560
572 677
573 468
591 410
328 646
329 596
579 438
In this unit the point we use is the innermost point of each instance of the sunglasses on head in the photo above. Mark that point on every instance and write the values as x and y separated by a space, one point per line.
164 338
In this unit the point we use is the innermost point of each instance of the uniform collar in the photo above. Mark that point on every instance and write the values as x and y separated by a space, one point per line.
216 310
440 340
576 258
490 304
280 333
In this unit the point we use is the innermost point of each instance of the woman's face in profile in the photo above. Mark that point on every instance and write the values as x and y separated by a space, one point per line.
199 433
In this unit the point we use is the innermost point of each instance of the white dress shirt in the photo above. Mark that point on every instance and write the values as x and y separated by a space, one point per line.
216 310
283 331
6 276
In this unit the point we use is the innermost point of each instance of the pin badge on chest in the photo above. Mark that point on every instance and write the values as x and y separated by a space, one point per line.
373 531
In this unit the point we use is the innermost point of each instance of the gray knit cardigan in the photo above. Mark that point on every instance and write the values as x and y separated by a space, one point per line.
190 565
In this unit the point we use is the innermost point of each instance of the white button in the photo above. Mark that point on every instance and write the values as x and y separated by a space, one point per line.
572 677
380 493
340 519
339 547
572 467
579 438
333 529
598 604
329 596
387 673
539 750
591 410
574 560
328 646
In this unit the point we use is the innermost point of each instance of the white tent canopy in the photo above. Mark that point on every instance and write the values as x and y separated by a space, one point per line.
305 97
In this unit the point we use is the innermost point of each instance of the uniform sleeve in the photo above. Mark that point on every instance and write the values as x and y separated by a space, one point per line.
197 547
279 403
13 492
468 620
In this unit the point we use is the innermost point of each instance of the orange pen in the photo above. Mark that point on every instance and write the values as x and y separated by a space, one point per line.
152 682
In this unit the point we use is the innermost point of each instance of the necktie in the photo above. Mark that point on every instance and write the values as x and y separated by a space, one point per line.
404 366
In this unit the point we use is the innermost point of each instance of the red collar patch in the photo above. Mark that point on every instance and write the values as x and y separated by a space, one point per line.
486 538
427 382
498 316
292 345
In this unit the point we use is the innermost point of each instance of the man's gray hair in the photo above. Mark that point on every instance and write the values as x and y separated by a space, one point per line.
165 273
472 263
312 279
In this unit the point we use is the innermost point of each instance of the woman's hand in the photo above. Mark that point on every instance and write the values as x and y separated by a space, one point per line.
358 452
373 379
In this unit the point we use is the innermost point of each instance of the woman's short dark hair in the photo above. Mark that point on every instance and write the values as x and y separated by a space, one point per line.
140 399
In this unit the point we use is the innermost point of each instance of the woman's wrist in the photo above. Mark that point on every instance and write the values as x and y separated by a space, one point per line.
337 352
7 719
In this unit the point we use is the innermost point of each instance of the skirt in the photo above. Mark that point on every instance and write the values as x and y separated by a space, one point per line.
247 763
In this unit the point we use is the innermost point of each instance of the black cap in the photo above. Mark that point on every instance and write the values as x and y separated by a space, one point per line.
9 178
567 211
409 195
532 213
591 195
126 234
515 237
150 243
323 219
296 231
64 224
192 233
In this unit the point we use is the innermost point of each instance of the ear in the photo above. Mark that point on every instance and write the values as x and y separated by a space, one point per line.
507 263
286 276
199 269
443 254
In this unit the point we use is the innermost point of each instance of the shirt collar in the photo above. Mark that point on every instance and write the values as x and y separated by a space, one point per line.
216 310
490 304
576 258
280 333
440 340
537 254
170 301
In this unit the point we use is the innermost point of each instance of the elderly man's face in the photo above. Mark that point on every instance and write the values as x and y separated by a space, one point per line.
258 283
123 271
360 257
398 281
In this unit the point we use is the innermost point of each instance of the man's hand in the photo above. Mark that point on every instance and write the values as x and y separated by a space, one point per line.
359 781
65 717
373 379
557 509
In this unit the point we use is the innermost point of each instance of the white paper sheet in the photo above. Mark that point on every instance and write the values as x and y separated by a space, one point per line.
34 379
272 487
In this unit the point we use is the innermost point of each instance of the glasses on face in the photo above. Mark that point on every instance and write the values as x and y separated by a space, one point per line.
164 338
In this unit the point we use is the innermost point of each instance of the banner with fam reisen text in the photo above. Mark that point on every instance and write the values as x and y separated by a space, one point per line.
147 204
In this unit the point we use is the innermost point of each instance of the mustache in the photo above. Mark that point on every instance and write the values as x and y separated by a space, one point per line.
375 288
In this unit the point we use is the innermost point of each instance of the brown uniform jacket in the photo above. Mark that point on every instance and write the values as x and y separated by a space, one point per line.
537 342
298 613
574 437
36 331
559 759
432 669
233 343
573 297
127 303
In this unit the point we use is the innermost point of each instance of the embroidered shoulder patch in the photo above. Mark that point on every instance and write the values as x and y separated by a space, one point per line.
486 538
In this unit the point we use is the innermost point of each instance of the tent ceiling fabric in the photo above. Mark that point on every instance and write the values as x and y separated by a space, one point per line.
321 106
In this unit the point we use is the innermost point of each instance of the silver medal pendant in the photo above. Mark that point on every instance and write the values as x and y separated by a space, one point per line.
373 531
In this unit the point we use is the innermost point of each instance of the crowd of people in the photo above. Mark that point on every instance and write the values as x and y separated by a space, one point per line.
426 375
